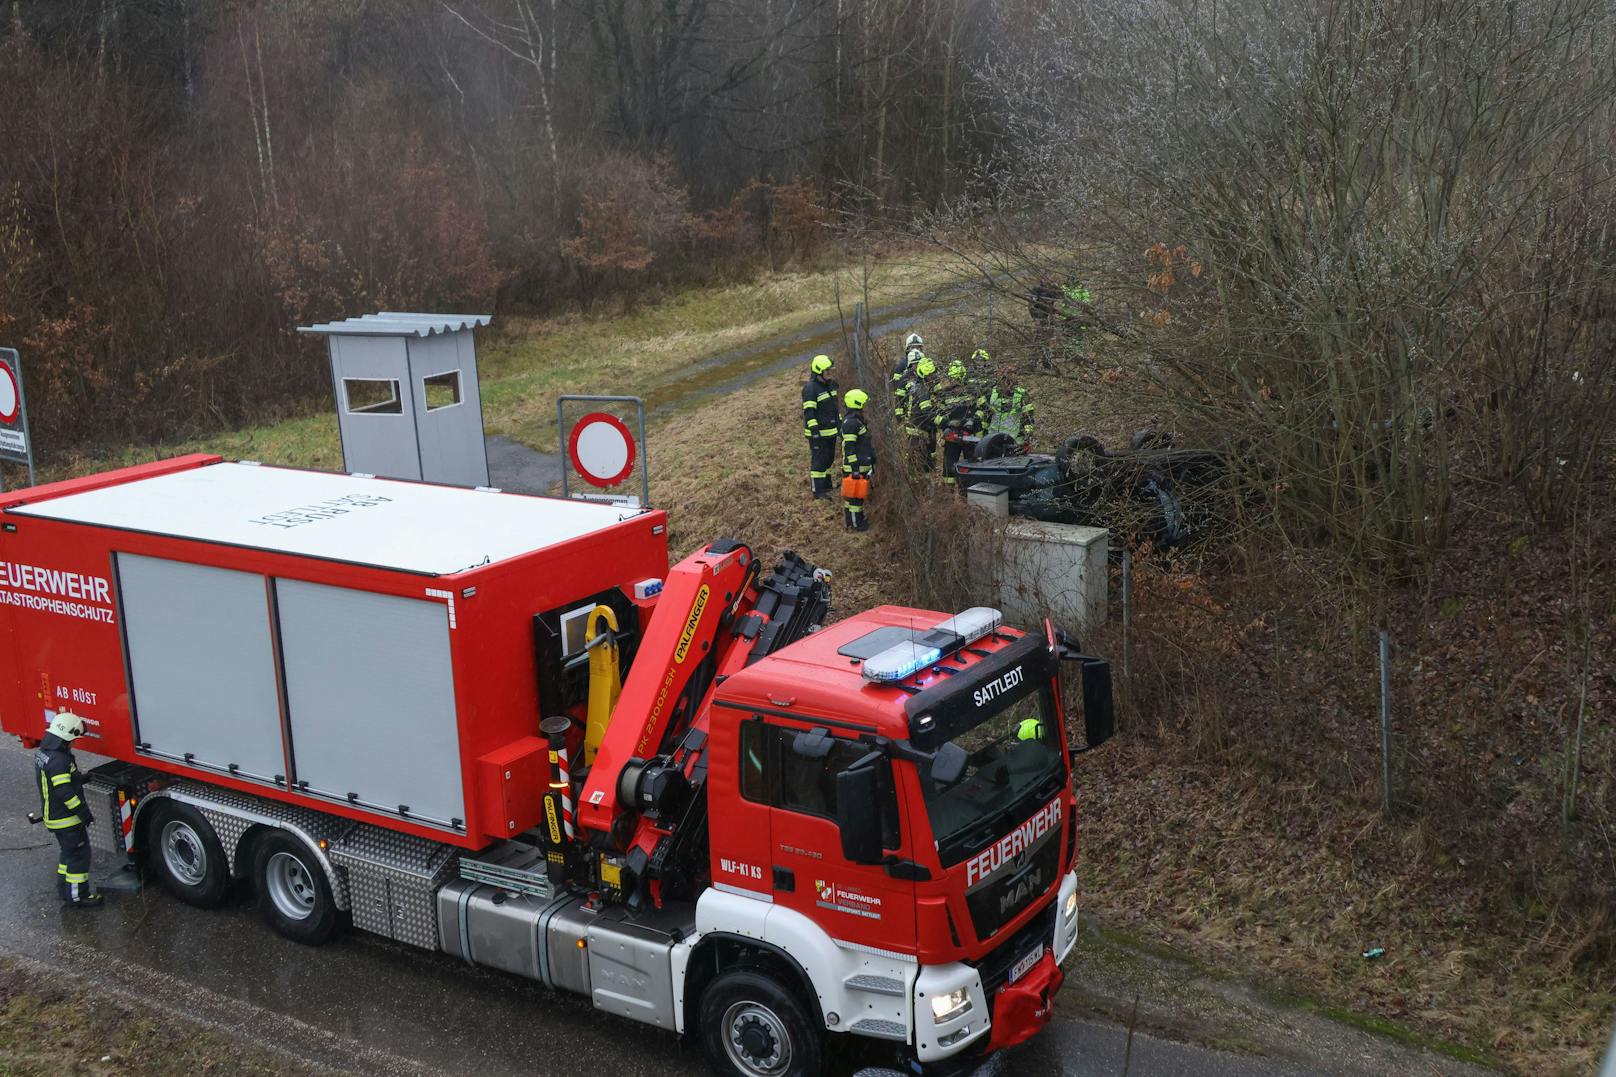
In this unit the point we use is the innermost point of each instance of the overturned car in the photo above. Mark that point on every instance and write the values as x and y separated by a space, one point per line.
1149 491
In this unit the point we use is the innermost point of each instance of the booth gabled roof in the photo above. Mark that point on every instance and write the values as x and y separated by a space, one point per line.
390 323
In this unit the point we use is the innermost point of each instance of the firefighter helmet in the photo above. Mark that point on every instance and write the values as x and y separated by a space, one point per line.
913 341
67 725
856 398
980 356
956 370
925 368
820 364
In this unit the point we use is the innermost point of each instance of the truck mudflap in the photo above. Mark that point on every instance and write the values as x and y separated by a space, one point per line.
1022 1008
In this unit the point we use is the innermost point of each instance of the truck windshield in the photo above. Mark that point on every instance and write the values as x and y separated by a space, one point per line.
1012 753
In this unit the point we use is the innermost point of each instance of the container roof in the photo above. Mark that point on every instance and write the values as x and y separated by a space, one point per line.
391 323
386 523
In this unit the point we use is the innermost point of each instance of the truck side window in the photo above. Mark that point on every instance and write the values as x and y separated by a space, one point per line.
754 767
773 774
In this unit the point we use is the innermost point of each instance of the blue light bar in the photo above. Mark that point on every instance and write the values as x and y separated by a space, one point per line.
899 661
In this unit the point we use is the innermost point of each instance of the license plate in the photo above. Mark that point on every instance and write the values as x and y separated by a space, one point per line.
1024 966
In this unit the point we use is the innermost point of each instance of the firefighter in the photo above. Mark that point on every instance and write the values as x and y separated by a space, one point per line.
914 350
1007 409
820 421
956 413
858 459
920 414
1041 302
64 810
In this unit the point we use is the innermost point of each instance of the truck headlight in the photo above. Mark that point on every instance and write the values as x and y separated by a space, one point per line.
1070 908
947 1007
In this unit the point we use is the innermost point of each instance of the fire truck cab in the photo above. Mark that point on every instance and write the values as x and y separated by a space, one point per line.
899 819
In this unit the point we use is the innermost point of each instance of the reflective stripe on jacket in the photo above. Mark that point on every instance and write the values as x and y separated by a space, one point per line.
1006 413
858 454
820 413
61 792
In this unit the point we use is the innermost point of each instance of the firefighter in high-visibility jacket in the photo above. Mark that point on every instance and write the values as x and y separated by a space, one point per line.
1007 409
914 350
920 414
64 810
858 459
821 421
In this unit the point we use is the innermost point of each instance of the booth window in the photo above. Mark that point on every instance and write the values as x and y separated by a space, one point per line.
372 396
441 390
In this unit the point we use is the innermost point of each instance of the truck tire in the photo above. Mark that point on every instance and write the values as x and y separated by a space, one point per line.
753 1027
183 851
294 896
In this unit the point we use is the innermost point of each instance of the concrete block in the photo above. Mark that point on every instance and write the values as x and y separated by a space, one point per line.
991 497
1054 570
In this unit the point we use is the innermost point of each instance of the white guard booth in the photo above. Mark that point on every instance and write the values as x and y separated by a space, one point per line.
408 403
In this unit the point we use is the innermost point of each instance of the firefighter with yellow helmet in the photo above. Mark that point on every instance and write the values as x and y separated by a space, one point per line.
821 421
858 459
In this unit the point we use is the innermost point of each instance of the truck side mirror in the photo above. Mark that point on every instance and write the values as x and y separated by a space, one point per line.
1099 716
814 743
948 764
858 810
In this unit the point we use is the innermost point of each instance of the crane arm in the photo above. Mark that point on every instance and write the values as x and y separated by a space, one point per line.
672 670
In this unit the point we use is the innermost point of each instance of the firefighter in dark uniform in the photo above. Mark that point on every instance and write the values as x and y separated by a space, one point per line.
920 414
914 350
858 458
821 419
956 413
65 813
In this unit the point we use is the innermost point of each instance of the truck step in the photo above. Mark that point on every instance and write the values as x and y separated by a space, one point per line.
881 1030
513 865
875 985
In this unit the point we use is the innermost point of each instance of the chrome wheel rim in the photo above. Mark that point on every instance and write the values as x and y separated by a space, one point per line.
755 1040
184 855
290 886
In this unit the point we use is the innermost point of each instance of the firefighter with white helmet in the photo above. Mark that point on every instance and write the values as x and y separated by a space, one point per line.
821 420
914 350
64 810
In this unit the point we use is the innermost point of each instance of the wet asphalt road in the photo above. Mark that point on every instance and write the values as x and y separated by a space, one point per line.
371 1005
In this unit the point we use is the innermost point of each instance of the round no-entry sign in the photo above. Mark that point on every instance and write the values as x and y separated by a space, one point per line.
10 397
602 449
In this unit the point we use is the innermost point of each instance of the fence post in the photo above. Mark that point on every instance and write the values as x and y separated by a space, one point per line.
858 344
1127 627
1385 722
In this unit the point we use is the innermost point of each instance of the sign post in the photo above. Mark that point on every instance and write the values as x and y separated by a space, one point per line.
16 446
601 447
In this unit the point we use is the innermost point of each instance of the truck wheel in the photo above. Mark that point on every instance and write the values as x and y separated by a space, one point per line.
294 895
185 853
752 1027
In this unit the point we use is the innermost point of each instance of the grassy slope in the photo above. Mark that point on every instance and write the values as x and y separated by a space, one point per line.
528 362
48 1030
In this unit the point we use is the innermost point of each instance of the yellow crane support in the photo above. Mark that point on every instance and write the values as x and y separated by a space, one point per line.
605 678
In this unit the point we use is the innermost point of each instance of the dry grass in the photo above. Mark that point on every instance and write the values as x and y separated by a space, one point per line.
528 362
738 468
47 1030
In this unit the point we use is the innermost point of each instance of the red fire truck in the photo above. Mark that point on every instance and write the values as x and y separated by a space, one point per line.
505 728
